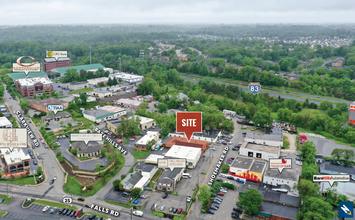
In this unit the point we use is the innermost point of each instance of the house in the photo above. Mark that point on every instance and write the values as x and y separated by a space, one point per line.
131 180
191 154
92 149
168 179
42 105
339 61
182 141
15 162
100 93
180 96
147 170
209 136
59 117
142 143
270 137
141 176
213 68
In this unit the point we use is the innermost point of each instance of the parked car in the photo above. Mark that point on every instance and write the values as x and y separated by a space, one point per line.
217 201
220 194
35 162
219 180
223 190
210 212
237 209
235 148
175 210
45 208
81 199
162 207
136 201
51 182
76 214
165 195
72 213
126 194
69 212
143 196
179 211
230 178
93 216
33 156
235 214
39 156
65 211
53 210
188 199
45 146
214 207
299 158
171 209
29 151
61 210
134 136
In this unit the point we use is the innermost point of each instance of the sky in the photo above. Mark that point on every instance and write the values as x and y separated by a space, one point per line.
23 12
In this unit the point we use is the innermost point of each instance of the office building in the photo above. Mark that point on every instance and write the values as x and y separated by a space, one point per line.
50 63
259 151
34 86
41 105
191 154
5 123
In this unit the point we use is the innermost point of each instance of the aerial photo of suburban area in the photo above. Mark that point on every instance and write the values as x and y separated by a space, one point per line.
196 110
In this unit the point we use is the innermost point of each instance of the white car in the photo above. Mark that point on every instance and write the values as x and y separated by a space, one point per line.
45 208
227 181
162 207
223 190
138 213
162 148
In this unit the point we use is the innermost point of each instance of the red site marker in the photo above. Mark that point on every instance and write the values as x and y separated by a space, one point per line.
189 122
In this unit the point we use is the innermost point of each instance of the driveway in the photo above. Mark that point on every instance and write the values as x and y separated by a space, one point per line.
83 165
292 140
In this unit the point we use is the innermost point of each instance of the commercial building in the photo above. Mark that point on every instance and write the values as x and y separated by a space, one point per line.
93 149
153 158
15 162
142 143
352 113
228 112
288 177
88 99
203 145
22 75
145 123
259 151
131 180
89 67
271 137
148 98
140 177
34 86
95 82
76 85
168 179
130 78
113 124
210 136
248 168
128 103
5 123
191 154
180 97
59 117
100 93
51 63
41 105
104 113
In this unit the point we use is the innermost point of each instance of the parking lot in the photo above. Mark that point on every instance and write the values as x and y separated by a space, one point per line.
325 146
116 196
171 201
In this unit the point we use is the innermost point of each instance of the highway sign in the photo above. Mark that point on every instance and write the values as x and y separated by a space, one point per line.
254 88
67 200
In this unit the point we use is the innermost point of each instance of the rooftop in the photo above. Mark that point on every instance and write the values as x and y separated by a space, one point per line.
15 157
142 166
59 114
5 121
110 108
101 79
279 210
22 75
258 166
339 169
114 122
274 134
170 174
148 137
50 101
132 178
153 158
282 198
78 83
144 120
101 90
125 76
92 147
178 151
98 113
182 141
29 81
286 174
52 59
258 147
210 133
129 102
243 162
78 68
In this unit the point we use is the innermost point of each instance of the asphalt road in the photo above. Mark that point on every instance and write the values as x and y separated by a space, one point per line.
270 91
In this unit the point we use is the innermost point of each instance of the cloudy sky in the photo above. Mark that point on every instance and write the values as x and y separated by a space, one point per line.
23 12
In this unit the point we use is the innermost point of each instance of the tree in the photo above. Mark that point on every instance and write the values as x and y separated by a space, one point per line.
348 155
114 81
83 97
325 105
97 165
225 168
250 201
135 192
338 153
204 195
343 106
308 188
116 183
101 84
262 119
162 107
39 170
74 151
316 208
109 82
57 74
25 105
103 151
123 176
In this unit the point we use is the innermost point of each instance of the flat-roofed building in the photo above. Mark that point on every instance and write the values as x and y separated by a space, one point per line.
16 162
271 137
142 143
41 105
128 103
191 154
5 123
126 77
100 93
59 117
89 68
203 145
145 123
76 85
104 113
153 158
34 86
288 177
113 124
248 168
210 136
97 81
259 151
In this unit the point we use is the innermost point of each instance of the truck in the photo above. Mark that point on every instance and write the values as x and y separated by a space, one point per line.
303 138
157 147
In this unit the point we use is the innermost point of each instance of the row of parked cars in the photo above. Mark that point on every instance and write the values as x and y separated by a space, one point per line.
237 211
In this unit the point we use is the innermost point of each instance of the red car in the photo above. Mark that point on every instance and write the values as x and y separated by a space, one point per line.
232 158
220 194
179 211
134 136
76 214
118 139
36 110
111 134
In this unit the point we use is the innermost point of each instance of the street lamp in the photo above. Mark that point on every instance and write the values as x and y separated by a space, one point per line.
131 212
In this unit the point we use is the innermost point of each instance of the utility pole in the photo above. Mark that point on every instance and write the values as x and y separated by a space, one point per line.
34 176
120 62
90 53
131 212
141 54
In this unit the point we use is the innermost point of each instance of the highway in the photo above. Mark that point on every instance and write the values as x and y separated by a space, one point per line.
271 91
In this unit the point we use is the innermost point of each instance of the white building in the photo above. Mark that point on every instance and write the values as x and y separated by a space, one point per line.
97 81
191 154
145 123
143 173
5 123
210 136
16 161
227 112
259 151
88 99
100 93
76 85
153 158
130 78
274 138
128 103
151 135
104 113
288 177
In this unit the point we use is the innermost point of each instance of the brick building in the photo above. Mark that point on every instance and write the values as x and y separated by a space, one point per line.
41 105
352 113
50 63
31 86
182 141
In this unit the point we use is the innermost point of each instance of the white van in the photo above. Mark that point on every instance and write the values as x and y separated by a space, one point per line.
138 213
186 175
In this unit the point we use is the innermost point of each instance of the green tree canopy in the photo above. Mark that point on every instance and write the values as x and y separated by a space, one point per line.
250 201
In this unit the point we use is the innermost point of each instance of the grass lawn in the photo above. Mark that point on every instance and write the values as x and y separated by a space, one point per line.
74 186
2 100
131 170
116 203
157 213
139 154
7 198
82 158
81 90
155 177
180 217
286 142
23 180
2 213
54 204
97 215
